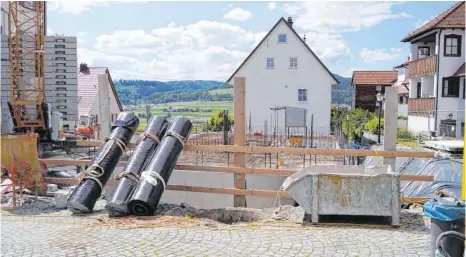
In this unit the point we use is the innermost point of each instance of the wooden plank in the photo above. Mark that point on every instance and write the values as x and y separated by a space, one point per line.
230 191
307 151
239 158
239 170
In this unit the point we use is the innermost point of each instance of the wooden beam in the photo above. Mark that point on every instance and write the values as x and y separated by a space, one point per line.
289 150
307 151
237 170
229 191
239 158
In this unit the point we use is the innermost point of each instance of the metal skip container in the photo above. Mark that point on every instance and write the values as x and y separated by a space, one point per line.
346 190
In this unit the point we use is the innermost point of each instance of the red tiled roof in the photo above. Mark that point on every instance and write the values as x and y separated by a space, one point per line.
374 77
402 89
451 18
406 81
460 72
88 87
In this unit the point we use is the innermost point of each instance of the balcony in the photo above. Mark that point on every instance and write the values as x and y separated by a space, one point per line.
421 106
422 67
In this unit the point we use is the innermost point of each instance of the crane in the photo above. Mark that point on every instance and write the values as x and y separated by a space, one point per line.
26 23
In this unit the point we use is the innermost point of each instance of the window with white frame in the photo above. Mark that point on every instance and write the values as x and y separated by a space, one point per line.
282 38
302 95
293 62
270 63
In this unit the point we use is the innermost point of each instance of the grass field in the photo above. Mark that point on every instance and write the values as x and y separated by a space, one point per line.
213 105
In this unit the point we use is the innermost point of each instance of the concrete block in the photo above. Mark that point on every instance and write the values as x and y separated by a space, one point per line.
61 197
51 188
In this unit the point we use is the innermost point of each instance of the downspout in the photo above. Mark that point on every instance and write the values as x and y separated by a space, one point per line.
438 77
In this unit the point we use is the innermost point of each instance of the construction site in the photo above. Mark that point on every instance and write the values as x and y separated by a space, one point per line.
78 179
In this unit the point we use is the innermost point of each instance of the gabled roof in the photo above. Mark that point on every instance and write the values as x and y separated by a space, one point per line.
88 87
402 89
460 72
374 77
266 36
451 18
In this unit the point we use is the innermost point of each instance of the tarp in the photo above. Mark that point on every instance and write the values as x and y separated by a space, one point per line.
442 212
447 173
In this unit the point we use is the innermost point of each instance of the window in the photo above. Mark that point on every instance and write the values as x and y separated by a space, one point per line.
282 38
452 45
302 95
451 87
270 63
423 51
293 62
418 90
400 99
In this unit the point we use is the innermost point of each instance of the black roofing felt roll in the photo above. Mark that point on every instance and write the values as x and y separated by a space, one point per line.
142 155
88 191
147 195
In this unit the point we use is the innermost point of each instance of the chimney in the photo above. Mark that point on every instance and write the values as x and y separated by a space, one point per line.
304 38
83 68
290 21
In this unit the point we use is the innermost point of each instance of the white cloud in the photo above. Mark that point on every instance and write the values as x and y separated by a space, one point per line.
328 47
203 50
238 14
81 36
338 17
420 23
369 56
271 6
74 7
350 71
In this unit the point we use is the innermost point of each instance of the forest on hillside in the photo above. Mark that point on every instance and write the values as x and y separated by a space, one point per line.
135 92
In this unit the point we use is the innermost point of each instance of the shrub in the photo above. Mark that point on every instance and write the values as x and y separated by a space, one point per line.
215 122
401 117
405 134
372 125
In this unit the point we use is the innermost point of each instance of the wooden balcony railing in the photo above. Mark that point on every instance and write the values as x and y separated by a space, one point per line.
421 106
422 67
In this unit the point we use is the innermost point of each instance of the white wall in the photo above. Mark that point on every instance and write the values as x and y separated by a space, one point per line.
427 86
418 124
414 49
266 88
402 110
447 67
104 105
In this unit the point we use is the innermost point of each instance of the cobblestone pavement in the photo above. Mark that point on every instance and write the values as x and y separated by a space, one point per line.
97 235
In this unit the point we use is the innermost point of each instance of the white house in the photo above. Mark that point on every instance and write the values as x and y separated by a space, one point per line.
436 74
282 71
97 96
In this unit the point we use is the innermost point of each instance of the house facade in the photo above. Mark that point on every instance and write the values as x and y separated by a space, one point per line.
97 96
364 85
282 71
435 74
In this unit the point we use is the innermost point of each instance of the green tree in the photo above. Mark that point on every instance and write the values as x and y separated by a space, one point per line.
215 122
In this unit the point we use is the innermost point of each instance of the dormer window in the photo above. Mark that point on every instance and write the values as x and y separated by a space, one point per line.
281 38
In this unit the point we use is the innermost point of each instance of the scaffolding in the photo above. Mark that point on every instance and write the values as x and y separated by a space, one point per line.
26 28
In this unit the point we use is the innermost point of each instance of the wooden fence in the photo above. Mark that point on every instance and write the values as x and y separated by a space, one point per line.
244 170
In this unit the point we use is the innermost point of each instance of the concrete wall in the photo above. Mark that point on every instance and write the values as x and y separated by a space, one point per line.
417 124
402 109
402 123
266 88
219 180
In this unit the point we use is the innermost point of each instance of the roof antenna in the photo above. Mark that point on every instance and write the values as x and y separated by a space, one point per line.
304 38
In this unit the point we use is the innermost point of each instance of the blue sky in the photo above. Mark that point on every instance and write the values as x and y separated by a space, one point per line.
208 40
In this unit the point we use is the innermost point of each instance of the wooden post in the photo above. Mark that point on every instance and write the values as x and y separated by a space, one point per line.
463 184
240 139
390 124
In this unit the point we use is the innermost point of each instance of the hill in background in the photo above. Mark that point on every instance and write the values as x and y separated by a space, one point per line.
134 92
